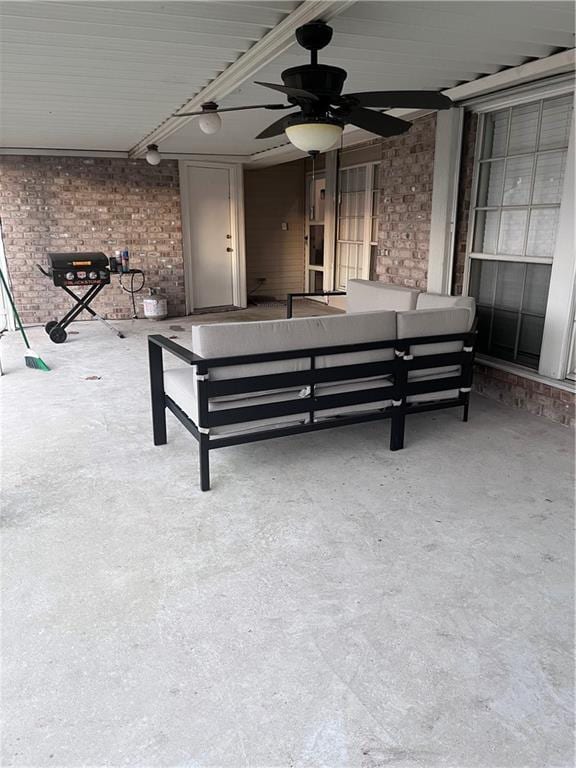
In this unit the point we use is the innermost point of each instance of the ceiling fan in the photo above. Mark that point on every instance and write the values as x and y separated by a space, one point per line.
322 110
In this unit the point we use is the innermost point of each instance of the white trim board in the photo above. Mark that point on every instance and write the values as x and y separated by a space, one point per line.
62 152
522 94
447 153
123 155
555 354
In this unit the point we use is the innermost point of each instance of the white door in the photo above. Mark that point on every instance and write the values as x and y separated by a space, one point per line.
211 252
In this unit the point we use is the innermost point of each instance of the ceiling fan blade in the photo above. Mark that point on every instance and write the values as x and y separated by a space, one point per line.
232 109
375 122
410 99
277 128
294 93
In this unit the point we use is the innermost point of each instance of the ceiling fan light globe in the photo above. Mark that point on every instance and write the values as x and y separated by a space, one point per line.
210 123
153 157
314 137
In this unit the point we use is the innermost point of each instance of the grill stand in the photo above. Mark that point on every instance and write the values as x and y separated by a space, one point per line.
56 328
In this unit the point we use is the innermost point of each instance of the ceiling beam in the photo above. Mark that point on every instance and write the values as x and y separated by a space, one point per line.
278 40
231 158
557 64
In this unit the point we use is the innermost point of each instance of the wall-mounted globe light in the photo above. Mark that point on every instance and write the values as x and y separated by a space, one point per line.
153 157
210 121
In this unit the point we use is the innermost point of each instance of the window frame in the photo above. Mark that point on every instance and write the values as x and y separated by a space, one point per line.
559 318
367 243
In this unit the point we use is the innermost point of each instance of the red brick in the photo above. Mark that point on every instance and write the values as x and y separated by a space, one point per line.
406 172
97 204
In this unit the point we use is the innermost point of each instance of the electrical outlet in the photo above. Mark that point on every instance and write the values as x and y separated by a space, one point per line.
284 226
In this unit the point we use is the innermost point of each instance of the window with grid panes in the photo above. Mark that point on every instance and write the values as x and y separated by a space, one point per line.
357 228
520 180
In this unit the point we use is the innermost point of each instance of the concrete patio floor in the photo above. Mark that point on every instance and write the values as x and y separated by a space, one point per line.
328 603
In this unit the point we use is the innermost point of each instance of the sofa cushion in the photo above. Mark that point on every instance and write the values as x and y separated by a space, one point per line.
443 301
372 295
437 373
180 386
227 339
352 386
433 322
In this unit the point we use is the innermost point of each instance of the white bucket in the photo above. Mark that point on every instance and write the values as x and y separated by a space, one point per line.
155 308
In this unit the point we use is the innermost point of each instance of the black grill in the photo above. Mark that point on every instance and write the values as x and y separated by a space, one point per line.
73 269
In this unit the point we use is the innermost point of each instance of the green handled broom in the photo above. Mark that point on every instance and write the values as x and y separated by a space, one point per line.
32 359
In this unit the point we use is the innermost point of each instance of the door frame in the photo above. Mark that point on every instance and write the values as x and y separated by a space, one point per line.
307 223
237 242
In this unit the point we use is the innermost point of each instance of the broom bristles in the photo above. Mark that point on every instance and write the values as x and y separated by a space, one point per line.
34 361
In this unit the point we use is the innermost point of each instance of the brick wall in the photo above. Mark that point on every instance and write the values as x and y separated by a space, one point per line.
273 196
532 396
405 180
90 204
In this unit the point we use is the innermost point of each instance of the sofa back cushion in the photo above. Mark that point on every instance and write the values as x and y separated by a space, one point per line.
433 322
371 295
235 339
443 301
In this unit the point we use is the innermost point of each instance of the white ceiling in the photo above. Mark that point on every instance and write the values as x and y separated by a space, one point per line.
103 75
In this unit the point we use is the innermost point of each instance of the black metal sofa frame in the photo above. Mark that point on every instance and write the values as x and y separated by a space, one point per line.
396 370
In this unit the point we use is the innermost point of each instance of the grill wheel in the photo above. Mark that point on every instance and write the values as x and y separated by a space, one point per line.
58 335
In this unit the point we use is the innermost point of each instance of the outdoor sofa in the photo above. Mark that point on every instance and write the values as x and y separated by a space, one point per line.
395 352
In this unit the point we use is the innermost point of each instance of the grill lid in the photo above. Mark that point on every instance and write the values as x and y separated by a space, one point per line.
96 260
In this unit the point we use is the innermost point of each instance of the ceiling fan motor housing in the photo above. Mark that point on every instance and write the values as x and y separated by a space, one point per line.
320 79
314 36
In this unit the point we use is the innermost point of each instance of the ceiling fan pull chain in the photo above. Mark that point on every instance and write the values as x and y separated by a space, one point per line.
313 206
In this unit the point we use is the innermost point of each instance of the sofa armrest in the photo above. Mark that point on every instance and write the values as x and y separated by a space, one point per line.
175 349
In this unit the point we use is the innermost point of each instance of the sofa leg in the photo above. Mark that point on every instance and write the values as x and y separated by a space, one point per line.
157 395
204 464
466 407
159 425
397 432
